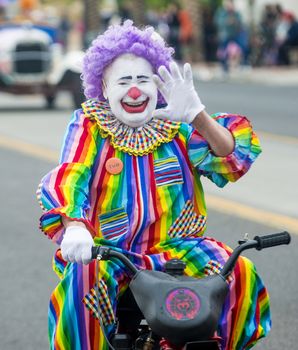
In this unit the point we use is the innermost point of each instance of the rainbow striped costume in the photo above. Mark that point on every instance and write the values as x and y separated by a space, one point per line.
154 210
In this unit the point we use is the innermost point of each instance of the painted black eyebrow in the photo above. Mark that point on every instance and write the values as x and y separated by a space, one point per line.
130 77
127 77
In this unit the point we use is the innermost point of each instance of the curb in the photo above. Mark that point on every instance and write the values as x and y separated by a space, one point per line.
273 76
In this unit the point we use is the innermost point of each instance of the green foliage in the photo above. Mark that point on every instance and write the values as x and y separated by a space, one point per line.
59 2
211 3
162 4
157 4
150 4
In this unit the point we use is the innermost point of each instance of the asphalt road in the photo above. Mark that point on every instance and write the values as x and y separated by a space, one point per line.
25 255
272 109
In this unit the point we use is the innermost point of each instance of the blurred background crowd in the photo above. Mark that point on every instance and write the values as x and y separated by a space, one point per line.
233 33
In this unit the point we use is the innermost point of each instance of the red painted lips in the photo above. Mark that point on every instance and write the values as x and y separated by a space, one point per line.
137 108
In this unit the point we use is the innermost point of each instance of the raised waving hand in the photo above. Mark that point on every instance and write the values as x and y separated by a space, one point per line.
183 102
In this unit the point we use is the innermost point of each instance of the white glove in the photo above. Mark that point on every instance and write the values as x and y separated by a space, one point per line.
183 102
76 244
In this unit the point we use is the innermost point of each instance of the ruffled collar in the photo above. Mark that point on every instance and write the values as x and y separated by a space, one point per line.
135 141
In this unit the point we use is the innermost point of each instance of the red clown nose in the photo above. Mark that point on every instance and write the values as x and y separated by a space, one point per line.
134 93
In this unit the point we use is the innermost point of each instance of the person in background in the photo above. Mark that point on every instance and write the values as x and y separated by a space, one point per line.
229 30
209 34
174 24
268 26
186 34
63 30
290 41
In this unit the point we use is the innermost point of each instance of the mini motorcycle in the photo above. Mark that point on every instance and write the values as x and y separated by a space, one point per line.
168 310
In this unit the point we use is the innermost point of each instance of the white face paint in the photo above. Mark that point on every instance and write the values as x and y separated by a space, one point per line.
130 89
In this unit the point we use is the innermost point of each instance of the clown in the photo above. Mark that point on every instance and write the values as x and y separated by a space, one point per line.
129 177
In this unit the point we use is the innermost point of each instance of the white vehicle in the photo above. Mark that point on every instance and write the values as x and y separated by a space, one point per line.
32 63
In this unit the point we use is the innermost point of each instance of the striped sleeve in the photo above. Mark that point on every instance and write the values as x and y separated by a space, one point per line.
221 170
64 191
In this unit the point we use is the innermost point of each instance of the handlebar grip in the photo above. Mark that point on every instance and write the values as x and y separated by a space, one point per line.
106 253
272 240
94 252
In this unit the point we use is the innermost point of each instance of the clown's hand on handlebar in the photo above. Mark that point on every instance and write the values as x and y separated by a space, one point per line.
183 102
76 244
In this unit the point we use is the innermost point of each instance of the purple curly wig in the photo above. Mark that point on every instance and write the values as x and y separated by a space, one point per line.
118 40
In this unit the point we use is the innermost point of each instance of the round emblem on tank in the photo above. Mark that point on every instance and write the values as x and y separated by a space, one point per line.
182 304
114 166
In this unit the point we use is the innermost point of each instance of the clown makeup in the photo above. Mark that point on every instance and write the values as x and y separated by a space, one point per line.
130 89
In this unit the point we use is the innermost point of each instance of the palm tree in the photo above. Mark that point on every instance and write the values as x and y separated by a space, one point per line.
137 8
91 21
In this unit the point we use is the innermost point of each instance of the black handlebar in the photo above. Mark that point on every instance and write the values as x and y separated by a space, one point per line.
98 251
259 242
272 240
105 253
